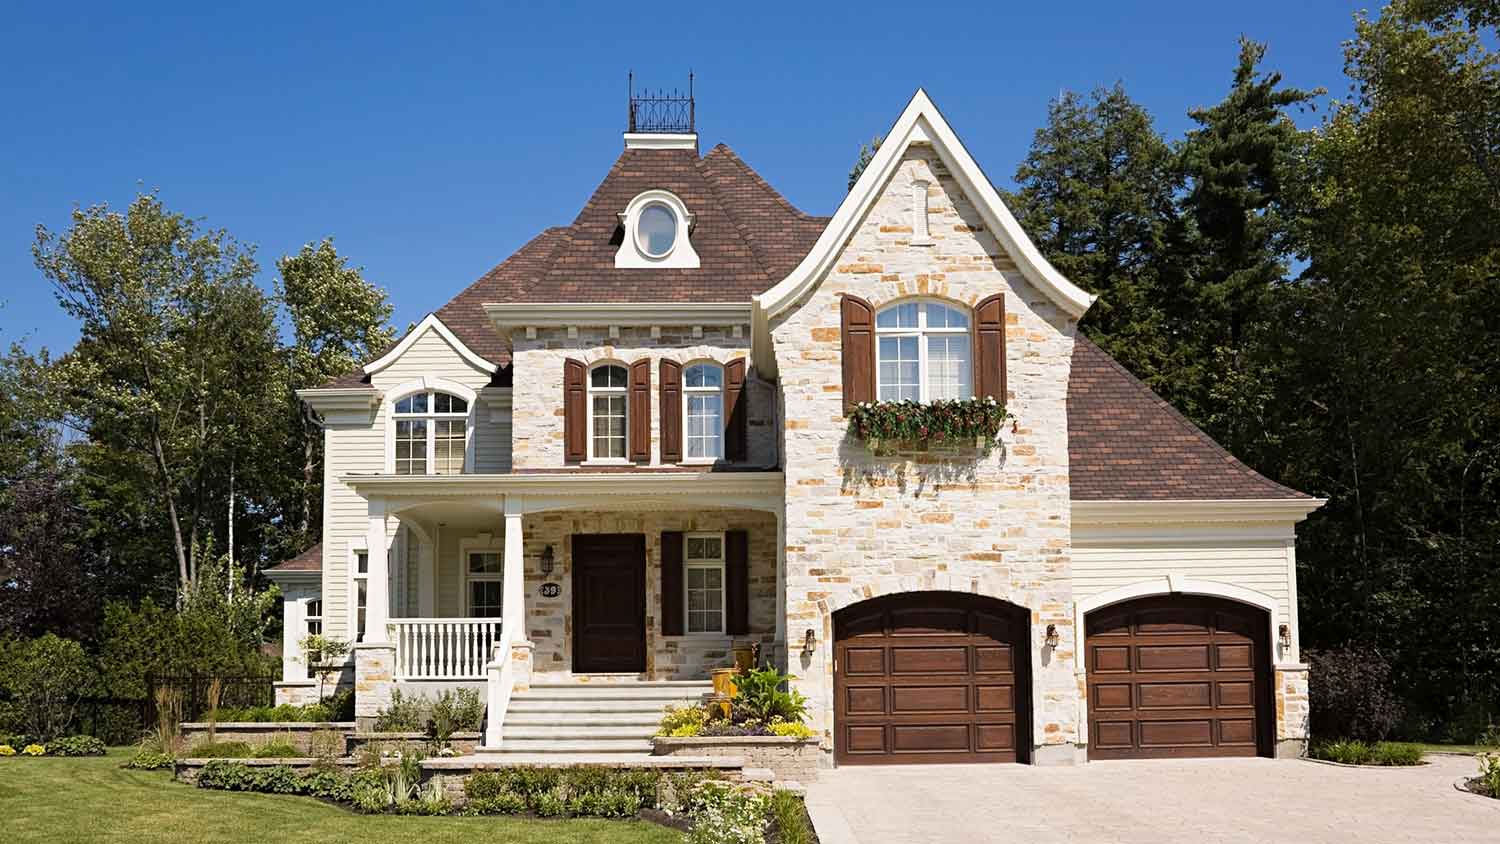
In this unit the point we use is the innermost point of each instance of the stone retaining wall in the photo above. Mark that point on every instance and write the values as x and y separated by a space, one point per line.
788 758
257 732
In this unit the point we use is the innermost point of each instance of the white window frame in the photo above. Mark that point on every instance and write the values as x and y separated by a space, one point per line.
921 332
355 578
430 384
682 255
686 405
483 544
590 391
719 564
307 620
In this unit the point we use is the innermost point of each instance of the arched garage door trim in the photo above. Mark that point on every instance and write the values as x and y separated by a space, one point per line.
1174 585
932 676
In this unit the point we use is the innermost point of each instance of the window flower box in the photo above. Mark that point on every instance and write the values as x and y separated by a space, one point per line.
882 424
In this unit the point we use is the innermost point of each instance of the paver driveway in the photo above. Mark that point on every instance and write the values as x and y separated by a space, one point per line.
1156 801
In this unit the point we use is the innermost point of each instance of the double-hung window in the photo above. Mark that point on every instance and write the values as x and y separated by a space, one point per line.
703 411
923 352
361 592
486 592
608 424
431 433
312 616
704 571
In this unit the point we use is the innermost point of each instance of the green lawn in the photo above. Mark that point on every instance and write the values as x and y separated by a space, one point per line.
93 799
1471 749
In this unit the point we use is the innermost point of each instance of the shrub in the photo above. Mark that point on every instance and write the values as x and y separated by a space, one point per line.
227 776
326 746
790 816
46 678
456 711
722 814
552 804
76 746
148 760
402 715
1488 781
33 750
1395 753
759 697
794 730
279 747
221 750
1351 693
580 790
500 804
7 750
328 785
682 721
1355 752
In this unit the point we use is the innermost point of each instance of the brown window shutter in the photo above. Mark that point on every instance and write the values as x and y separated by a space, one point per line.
673 619
575 411
671 411
736 582
989 348
640 411
736 413
857 320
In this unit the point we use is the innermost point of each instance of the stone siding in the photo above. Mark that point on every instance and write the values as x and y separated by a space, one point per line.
789 759
299 733
374 679
537 404
549 620
1292 710
992 522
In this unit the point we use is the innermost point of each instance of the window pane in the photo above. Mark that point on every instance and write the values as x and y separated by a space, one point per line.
314 608
898 369
362 562
704 375
360 601
484 562
898 316
485 598
948 367
656 229
705 426
608 377
942 316
448 444
609 426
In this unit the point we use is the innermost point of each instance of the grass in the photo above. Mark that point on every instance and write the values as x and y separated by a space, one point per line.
93 799
1468 749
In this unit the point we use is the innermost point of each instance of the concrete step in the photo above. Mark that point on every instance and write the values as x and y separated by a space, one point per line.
486 755
629 718
573 731
512 744
603 706
622 691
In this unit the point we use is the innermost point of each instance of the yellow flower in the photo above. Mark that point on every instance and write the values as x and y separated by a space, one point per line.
7 750
34 750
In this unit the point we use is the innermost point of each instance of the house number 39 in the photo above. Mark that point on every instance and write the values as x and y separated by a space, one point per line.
551 590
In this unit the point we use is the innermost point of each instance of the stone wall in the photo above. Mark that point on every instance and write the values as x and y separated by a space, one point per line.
549 620
790 759
537 405
299 733
994 523
1292 710
374 679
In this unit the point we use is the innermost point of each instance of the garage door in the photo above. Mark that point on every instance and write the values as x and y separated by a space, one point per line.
931 677
1177 676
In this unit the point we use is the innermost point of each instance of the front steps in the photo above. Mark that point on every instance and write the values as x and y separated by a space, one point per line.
581 720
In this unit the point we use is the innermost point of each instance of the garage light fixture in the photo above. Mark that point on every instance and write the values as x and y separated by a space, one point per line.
1052 640
808 642
1284 633
546 561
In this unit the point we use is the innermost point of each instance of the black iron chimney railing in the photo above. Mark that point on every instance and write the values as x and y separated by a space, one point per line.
661 112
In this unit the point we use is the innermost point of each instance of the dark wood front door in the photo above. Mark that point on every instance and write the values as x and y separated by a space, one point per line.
1178 675
609 602
931 677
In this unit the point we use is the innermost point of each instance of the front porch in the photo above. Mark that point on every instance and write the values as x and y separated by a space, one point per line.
515 582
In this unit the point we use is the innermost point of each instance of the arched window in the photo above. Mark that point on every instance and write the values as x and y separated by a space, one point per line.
608 422
703 411
431 432
923 352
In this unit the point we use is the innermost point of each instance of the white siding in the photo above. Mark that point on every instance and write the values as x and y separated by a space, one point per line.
430 356
353 448
1101 563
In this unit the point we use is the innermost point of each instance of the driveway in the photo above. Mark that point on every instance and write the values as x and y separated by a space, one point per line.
1155 801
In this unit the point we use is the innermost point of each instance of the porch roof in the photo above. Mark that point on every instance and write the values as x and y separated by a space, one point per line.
535 492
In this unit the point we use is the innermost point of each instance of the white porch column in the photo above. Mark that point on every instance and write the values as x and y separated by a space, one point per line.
513 580
378 587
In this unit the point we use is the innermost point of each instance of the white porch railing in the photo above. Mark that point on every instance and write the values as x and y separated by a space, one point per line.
444 648
502 682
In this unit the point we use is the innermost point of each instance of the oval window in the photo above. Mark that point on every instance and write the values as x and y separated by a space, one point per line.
656 230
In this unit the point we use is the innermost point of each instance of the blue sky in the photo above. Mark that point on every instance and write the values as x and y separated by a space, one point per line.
430 140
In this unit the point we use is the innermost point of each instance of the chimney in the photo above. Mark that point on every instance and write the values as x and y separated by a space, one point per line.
661 120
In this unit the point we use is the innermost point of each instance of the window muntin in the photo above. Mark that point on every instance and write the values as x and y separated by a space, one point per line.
703 411
656 230
704 582
361 592
431 434
923 353
486 591
608 422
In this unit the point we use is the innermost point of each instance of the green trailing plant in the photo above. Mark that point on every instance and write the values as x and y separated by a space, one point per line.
146 759
76 746
791 729
960 421
682 721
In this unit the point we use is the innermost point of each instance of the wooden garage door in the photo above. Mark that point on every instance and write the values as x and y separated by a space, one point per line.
1176 676
931 677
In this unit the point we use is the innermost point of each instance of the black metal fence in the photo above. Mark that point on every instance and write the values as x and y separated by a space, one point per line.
662 112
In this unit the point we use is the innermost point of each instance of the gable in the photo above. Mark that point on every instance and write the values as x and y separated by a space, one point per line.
430 349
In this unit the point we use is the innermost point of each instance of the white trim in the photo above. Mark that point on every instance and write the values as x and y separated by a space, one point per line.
429 383
681 256
1240 511
573 314
430 323
482 543
920 122
590 392
354 576
661 140
721 564
1176 584
327 400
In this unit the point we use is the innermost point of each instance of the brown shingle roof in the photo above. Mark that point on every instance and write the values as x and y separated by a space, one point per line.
309 560
1126 443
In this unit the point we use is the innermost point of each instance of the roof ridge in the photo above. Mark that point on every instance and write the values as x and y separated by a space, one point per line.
1182 421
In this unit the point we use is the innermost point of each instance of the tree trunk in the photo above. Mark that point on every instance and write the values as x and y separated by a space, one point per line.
184 579
229 571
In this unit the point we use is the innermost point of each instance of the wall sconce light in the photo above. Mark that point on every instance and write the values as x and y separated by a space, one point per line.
1053 639
1284 633
808 642
547 562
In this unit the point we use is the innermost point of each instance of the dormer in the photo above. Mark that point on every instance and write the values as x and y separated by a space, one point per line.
656 225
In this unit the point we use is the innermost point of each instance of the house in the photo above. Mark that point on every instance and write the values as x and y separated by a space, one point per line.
625 452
